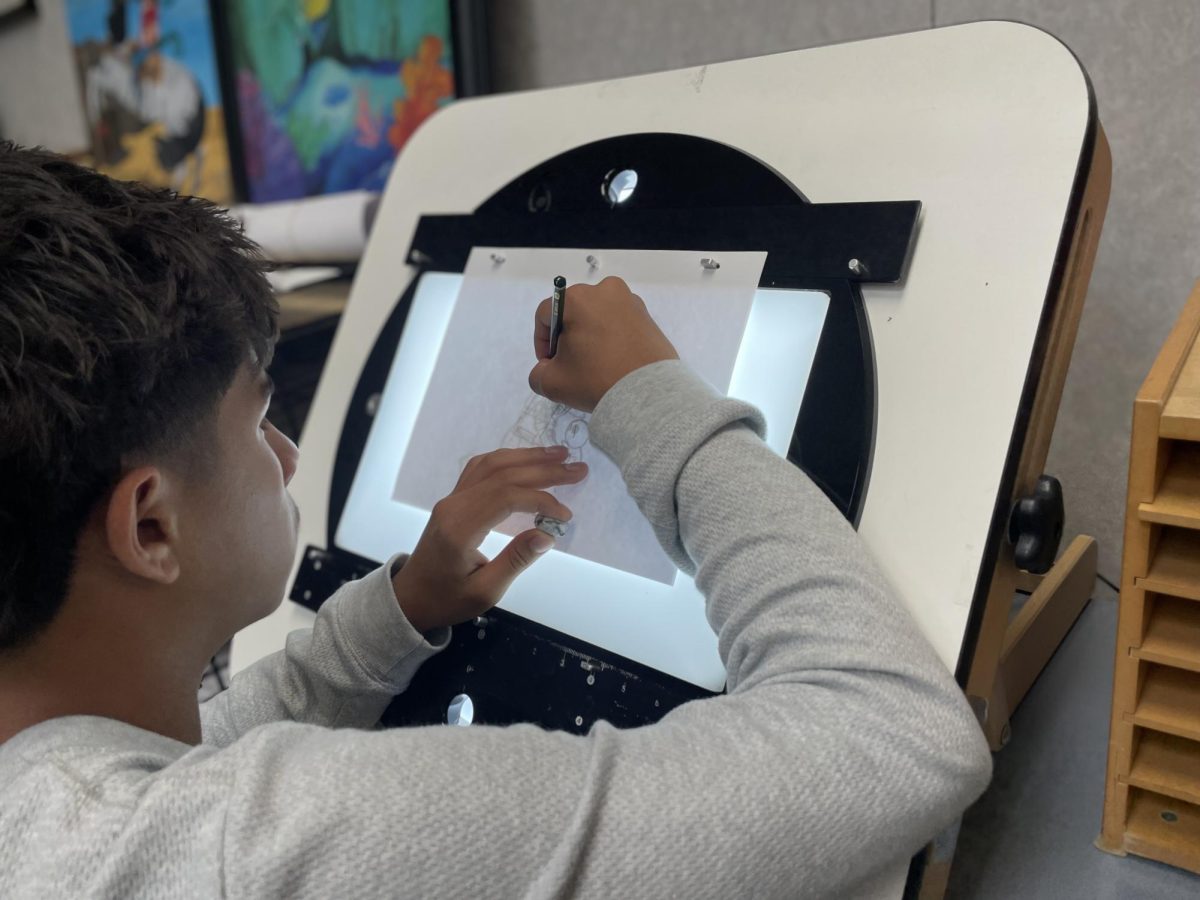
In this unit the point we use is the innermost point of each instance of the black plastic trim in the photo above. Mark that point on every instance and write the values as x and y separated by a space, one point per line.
804 241
833 439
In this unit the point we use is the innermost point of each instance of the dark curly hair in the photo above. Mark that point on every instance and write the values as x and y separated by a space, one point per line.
125 313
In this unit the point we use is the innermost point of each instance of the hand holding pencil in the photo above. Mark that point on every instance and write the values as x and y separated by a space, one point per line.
601 334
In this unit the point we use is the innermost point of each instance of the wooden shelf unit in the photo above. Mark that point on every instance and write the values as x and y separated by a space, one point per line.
1152 789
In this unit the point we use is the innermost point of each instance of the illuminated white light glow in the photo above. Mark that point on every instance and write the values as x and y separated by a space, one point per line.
658 625
461 710
621 186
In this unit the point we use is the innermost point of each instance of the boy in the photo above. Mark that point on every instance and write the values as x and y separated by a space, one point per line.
144 519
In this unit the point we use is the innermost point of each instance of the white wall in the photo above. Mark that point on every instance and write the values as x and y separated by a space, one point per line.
40 102
1144 61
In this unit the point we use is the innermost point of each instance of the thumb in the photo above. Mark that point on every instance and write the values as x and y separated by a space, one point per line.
493 579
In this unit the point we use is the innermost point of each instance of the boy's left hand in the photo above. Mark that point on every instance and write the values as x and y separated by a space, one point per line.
447 580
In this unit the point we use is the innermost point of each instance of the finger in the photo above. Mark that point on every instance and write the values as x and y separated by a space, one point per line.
465 476
486 465
541 330
510 500
488 508
492 580
544 475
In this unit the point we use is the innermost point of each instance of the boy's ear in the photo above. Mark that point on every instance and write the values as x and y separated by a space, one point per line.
141 525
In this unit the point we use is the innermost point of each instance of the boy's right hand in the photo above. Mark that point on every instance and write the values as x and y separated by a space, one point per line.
606 334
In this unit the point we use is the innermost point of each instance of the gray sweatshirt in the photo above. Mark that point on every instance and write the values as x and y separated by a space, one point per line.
841 747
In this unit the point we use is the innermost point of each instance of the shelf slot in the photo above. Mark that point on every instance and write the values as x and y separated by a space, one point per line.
1173 634
1177 500
1170 702
1175 568
1167 765
1181 412
1163 828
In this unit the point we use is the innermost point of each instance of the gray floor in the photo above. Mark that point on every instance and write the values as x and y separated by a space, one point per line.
1030 836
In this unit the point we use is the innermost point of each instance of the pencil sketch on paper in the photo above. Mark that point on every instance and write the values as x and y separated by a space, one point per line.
544 423
478 398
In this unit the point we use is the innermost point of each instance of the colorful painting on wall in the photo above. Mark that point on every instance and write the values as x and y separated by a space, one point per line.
151 92
328 91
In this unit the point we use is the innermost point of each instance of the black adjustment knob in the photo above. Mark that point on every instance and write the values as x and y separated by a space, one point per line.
1036 524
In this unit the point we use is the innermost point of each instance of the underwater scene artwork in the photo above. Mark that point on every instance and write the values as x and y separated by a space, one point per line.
328 91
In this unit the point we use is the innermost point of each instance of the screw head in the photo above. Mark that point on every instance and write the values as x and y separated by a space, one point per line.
540 198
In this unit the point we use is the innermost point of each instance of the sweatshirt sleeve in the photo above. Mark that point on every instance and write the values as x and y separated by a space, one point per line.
360 652
842 746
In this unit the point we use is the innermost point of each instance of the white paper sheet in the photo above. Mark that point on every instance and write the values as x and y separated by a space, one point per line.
332 228
478 397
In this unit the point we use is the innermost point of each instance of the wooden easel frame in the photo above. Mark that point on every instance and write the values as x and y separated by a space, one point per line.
1011 651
